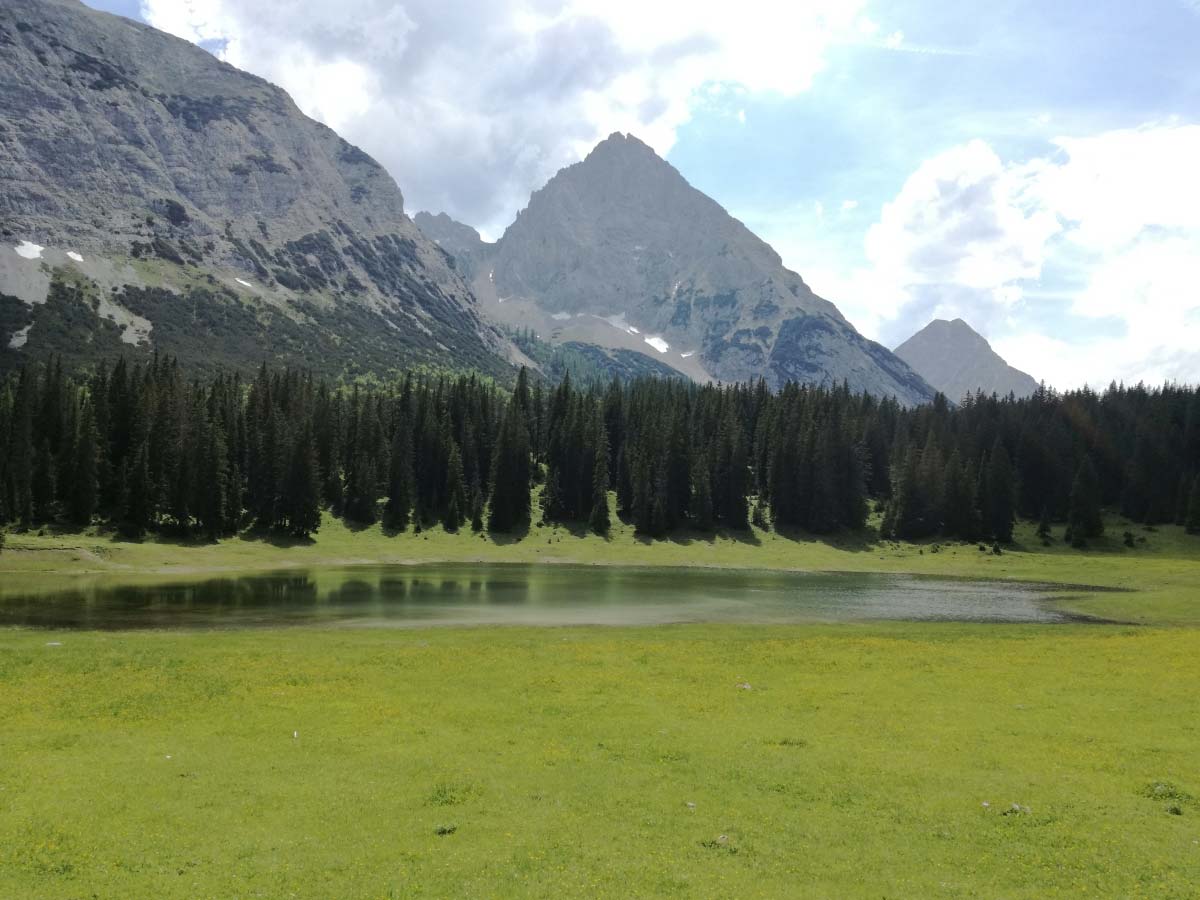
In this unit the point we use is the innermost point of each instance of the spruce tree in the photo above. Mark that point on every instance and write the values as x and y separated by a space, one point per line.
360 497
824 513
45 488
477 505
599 518
456 497
1043 529
86 486
510 472
215 513
138 513
1084 519
1192 523
400 479
958 500
734 489
701 512
1001 495
303 499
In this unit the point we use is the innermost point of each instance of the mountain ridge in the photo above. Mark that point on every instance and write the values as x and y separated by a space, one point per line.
620 250
179 204
959 361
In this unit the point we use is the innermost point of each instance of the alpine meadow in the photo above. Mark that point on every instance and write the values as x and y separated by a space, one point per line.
590 549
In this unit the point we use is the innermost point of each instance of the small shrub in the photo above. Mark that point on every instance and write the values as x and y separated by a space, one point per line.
1129 539
443 830
447 793
1165 790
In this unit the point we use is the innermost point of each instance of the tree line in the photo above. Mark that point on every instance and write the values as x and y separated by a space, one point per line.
145 447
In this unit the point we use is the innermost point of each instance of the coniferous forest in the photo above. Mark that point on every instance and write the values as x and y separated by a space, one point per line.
147 448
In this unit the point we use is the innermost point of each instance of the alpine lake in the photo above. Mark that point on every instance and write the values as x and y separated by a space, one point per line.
398 596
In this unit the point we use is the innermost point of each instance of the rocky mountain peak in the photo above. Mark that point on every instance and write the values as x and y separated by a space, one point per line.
958 361
622 239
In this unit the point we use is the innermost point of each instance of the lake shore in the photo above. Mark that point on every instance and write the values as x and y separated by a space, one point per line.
1157 577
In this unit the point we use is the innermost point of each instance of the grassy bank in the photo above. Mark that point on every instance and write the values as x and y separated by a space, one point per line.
1162 570
706 761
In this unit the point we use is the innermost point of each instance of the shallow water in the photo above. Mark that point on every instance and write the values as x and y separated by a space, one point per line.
478 594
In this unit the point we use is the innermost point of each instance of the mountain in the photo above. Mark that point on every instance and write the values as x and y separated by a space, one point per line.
461 241
156 199
620 251
958 361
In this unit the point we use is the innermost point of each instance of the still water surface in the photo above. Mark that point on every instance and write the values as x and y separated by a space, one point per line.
477 594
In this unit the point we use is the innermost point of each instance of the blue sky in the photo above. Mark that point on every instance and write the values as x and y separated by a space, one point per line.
1025 165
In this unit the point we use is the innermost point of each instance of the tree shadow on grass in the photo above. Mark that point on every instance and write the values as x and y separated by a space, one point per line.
278 539
165 537
356 527
577 529
687 537
508 538
864 540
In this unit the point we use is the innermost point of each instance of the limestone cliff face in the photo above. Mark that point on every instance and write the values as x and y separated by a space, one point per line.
145 170
623 237
462 242
958 361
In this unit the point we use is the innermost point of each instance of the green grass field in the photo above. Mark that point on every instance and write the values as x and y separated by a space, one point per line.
879 760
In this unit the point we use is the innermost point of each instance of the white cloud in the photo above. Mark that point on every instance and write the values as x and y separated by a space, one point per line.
1115 185
1114 217
962 219
473 104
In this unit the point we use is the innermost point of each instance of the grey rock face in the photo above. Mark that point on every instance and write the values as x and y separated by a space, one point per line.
162 167
623 237
460 241
958 361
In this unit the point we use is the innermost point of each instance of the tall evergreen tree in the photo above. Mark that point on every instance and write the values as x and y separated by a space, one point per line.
599 518
1192 523
510 479
958 500
400 477
1001 495
701 511
84 471
215 511
303 494
45 488
138 508
456 495
1084 519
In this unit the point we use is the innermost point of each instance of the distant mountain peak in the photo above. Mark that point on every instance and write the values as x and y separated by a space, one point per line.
957 360
628 144
621 251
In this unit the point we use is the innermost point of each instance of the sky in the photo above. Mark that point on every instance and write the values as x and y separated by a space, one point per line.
1026 166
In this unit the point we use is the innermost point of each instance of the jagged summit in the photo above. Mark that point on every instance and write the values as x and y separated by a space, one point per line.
620 250
958 361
